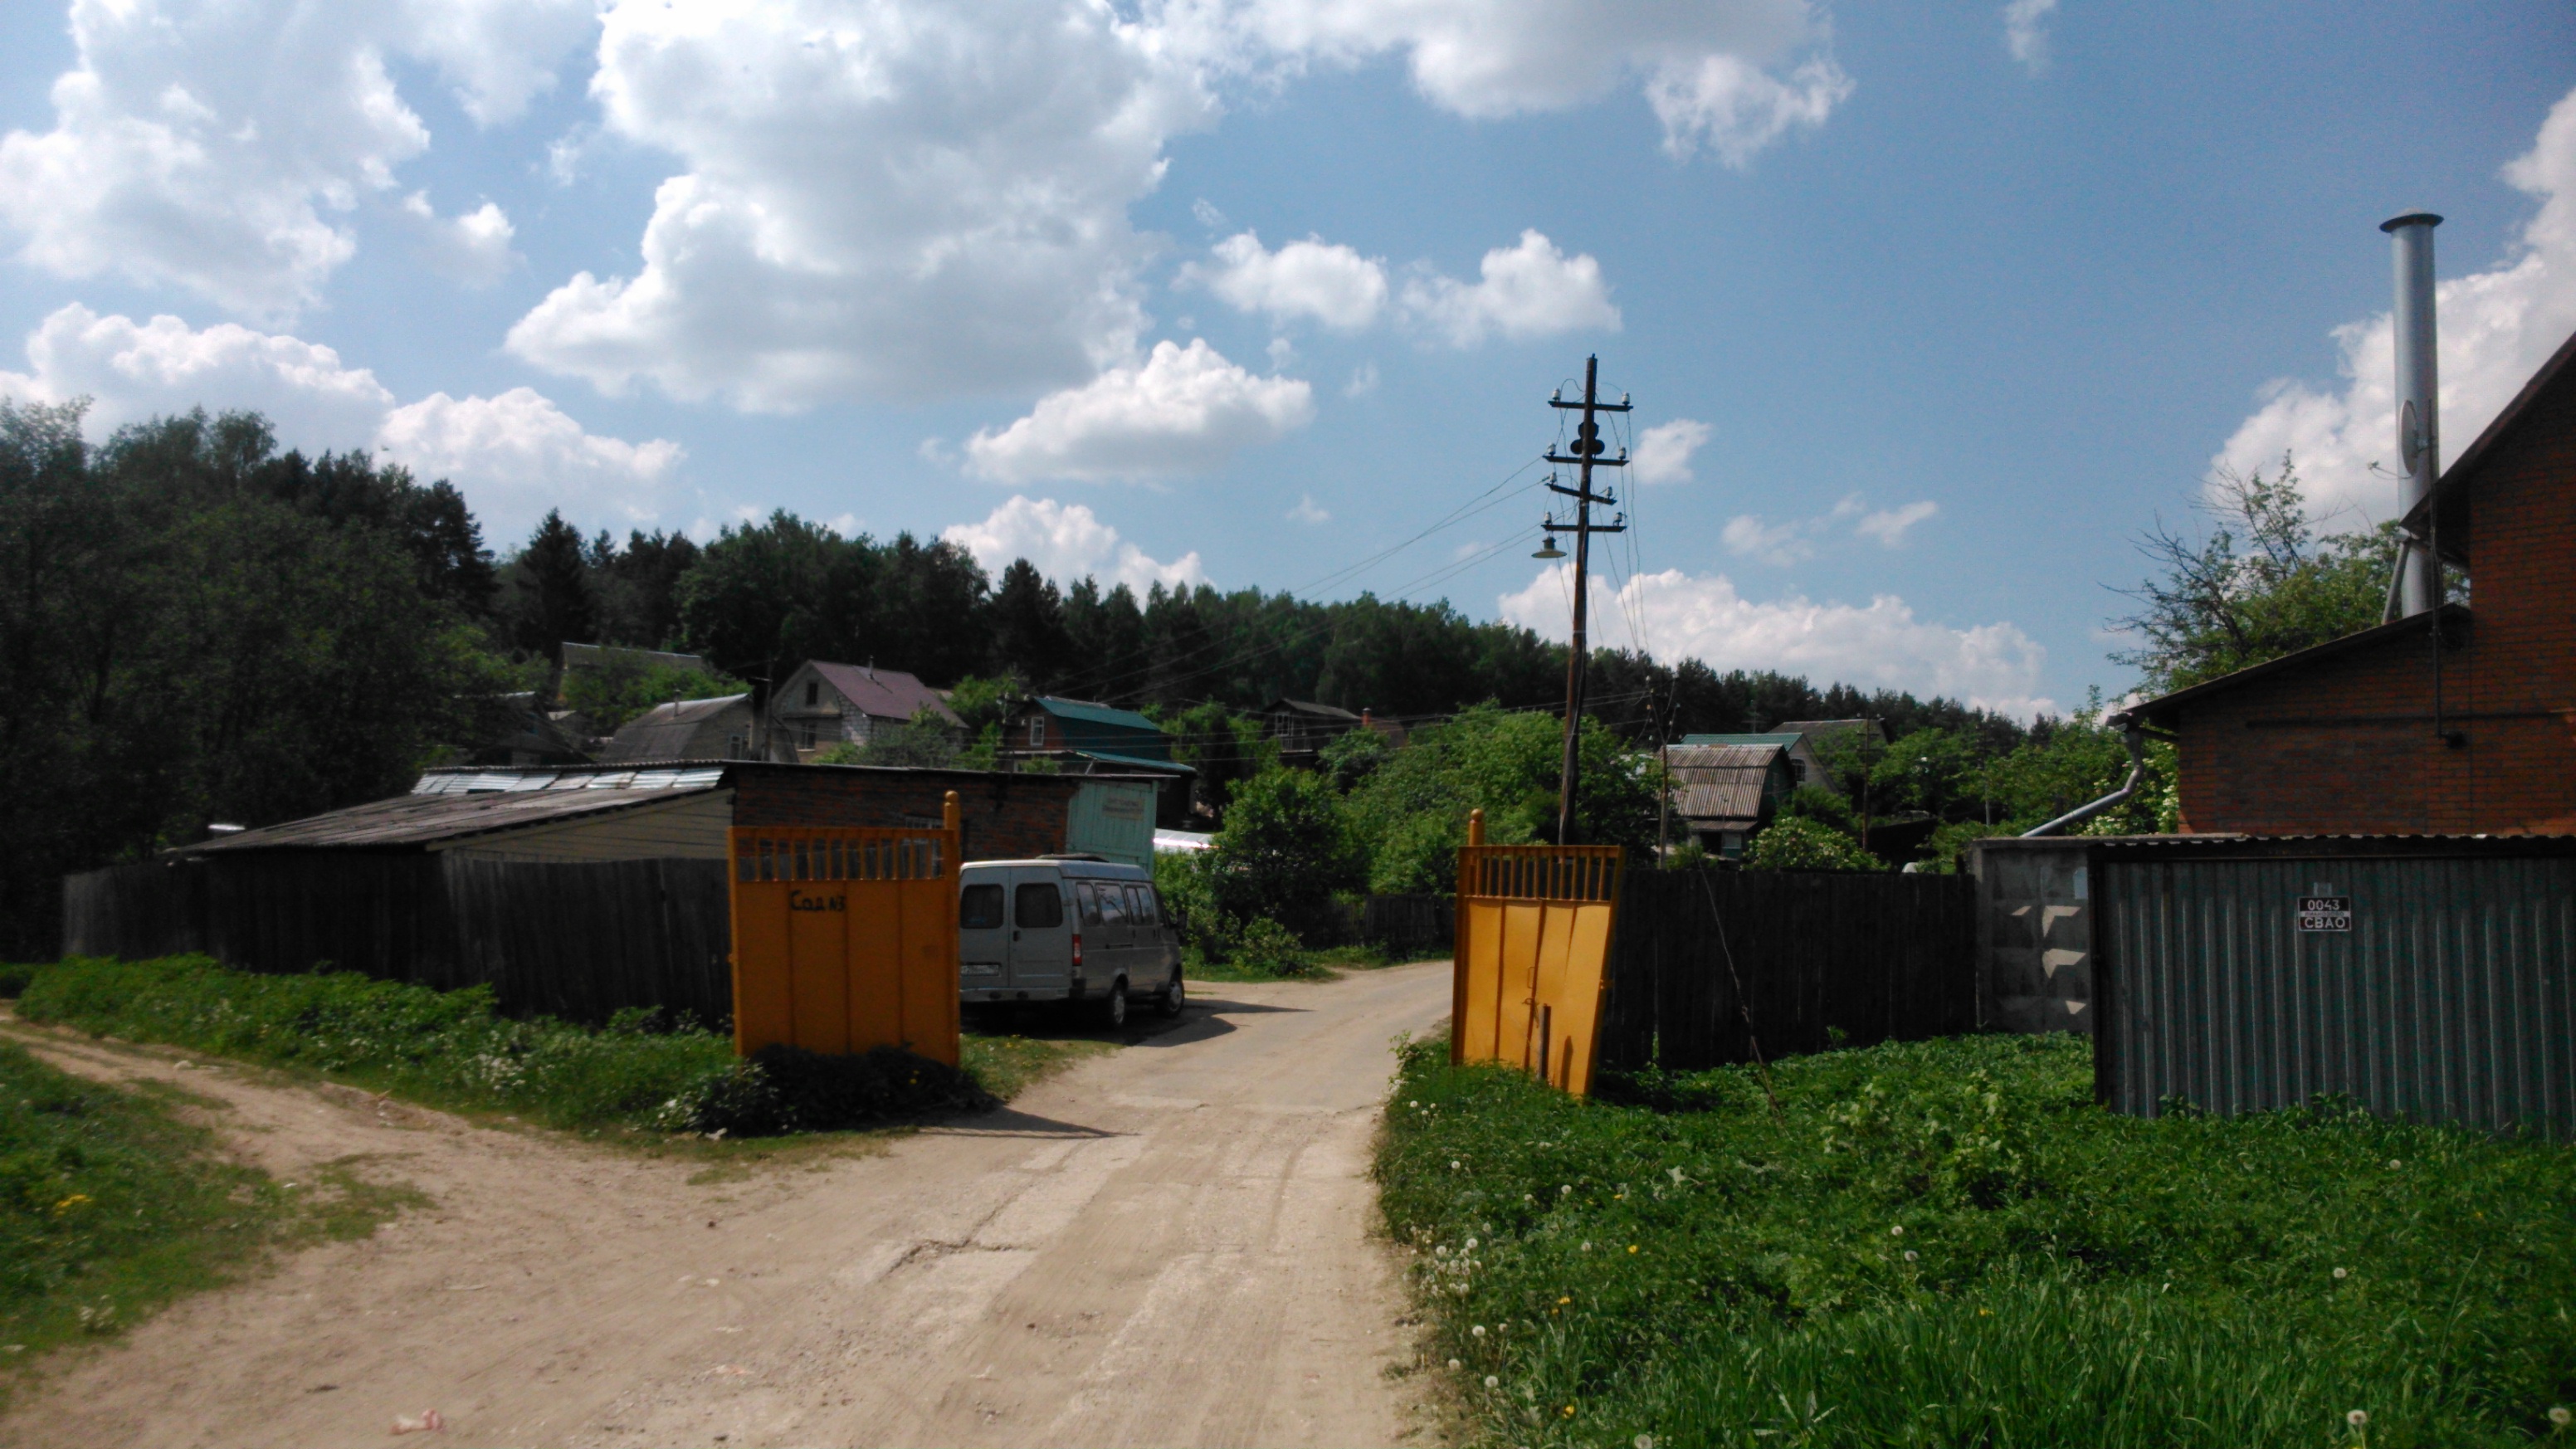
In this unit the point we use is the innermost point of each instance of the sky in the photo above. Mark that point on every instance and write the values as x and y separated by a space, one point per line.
1925 311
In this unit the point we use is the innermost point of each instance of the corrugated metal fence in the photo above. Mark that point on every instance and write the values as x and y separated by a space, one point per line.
1872 957
2441 989
575 940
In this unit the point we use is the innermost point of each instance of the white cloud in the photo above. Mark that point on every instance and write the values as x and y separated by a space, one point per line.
2026 32
221 147
1706 67
882 199
1780 544
517 455
1363 381
1328 282
1530 290
473 248
1184 410
1664 451
2495 329
514 456
136 370
1889 526
1881 645
1066 542
1306 511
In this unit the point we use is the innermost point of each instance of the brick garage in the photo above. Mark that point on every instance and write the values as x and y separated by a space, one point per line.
2368 734
1004 816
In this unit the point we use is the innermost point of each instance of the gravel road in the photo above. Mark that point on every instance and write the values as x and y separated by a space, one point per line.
1171 1244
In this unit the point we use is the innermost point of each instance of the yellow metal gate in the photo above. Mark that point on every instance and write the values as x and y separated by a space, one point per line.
846 938
1533 938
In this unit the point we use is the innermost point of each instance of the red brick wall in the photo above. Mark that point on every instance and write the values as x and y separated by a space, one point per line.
1006 817
2508 689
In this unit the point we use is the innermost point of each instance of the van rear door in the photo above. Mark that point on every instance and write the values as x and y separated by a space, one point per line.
983 929
1041 932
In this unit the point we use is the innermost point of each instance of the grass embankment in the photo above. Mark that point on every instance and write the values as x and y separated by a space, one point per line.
110 1206
1320 963
449 1049
1947 1243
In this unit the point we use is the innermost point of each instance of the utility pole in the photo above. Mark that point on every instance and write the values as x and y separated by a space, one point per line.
1588 449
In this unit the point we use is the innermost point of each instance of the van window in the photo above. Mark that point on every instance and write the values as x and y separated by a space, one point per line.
979 908
1036 905
1140 905
1113 904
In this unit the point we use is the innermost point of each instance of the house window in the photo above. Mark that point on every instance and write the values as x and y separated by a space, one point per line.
1797 772
805 737
1037 732
813 696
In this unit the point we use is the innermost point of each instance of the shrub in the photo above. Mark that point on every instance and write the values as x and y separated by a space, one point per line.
1285 849
788 1089
1796 843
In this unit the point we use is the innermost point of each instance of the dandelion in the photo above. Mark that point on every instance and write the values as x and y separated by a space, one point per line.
1897 1232
2559 1417
1441 1252
1454 1365
2358 1419
2343 1272
1644 1441
1561 1302
1564 1189
1909 1255
1632 1247
1569 1411
1453 1164
2393 1164
1471 1245
1586 1248
1478 1330
1492 1382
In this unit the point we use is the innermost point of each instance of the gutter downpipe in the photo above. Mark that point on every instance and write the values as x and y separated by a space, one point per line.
2136 740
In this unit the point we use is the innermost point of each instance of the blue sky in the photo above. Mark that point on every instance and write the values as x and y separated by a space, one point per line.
1926 310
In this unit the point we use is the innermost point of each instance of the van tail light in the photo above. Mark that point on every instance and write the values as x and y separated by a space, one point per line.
1077 950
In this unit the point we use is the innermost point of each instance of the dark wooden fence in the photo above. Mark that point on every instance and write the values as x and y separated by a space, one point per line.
1874 957
578 941
1408 928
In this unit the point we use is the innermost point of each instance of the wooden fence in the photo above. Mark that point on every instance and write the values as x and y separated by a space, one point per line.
575 940
1408 928
1873 957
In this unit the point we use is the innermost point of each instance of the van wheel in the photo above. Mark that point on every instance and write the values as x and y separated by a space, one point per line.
1113 1007
1172 999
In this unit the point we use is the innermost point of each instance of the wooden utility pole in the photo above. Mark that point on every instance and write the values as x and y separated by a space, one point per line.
1588 449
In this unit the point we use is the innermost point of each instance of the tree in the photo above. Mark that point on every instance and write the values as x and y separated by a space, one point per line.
636 588
550 580
1029 637
1285 849
622 688
2262 583
1225 748
1412 810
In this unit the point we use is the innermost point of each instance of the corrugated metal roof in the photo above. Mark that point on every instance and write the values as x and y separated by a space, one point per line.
656 777
418 820
1715 783
1782 738
1101 714
671 731
882 693
1160 767
600 656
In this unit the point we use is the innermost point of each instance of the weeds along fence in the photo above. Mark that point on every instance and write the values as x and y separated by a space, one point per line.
1821 957
579 941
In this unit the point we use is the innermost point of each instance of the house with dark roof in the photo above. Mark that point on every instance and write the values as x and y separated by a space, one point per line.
686 729
823 704
1722 794
2460 720
1301 727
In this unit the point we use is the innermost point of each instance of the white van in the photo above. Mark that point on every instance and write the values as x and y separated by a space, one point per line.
1065 928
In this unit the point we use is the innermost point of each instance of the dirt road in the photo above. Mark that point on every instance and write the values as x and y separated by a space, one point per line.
1167 1245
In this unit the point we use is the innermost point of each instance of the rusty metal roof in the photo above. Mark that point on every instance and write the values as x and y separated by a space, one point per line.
1722 782
415 822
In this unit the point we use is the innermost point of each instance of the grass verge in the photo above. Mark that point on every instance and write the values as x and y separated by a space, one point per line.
451 1050
1320 963
111 1205
1947 1243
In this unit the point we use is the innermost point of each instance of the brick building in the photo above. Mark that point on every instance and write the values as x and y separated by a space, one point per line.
2456 722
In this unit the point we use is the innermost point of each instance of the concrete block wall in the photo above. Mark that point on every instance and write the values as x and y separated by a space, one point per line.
2034 934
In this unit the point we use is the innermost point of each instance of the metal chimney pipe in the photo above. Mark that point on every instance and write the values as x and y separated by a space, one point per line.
2419 435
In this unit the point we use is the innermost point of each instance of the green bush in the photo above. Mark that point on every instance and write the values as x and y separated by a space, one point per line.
1796 843
450 1049
1948 1243
788 1089
1286 848
14 977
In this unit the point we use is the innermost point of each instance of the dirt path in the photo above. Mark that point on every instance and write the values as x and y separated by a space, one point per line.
1167 1245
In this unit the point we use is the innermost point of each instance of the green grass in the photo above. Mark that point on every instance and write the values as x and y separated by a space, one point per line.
451 1050
1320 963
1947 1243
110 1206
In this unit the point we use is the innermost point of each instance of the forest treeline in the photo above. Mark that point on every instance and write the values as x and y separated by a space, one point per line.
198 624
